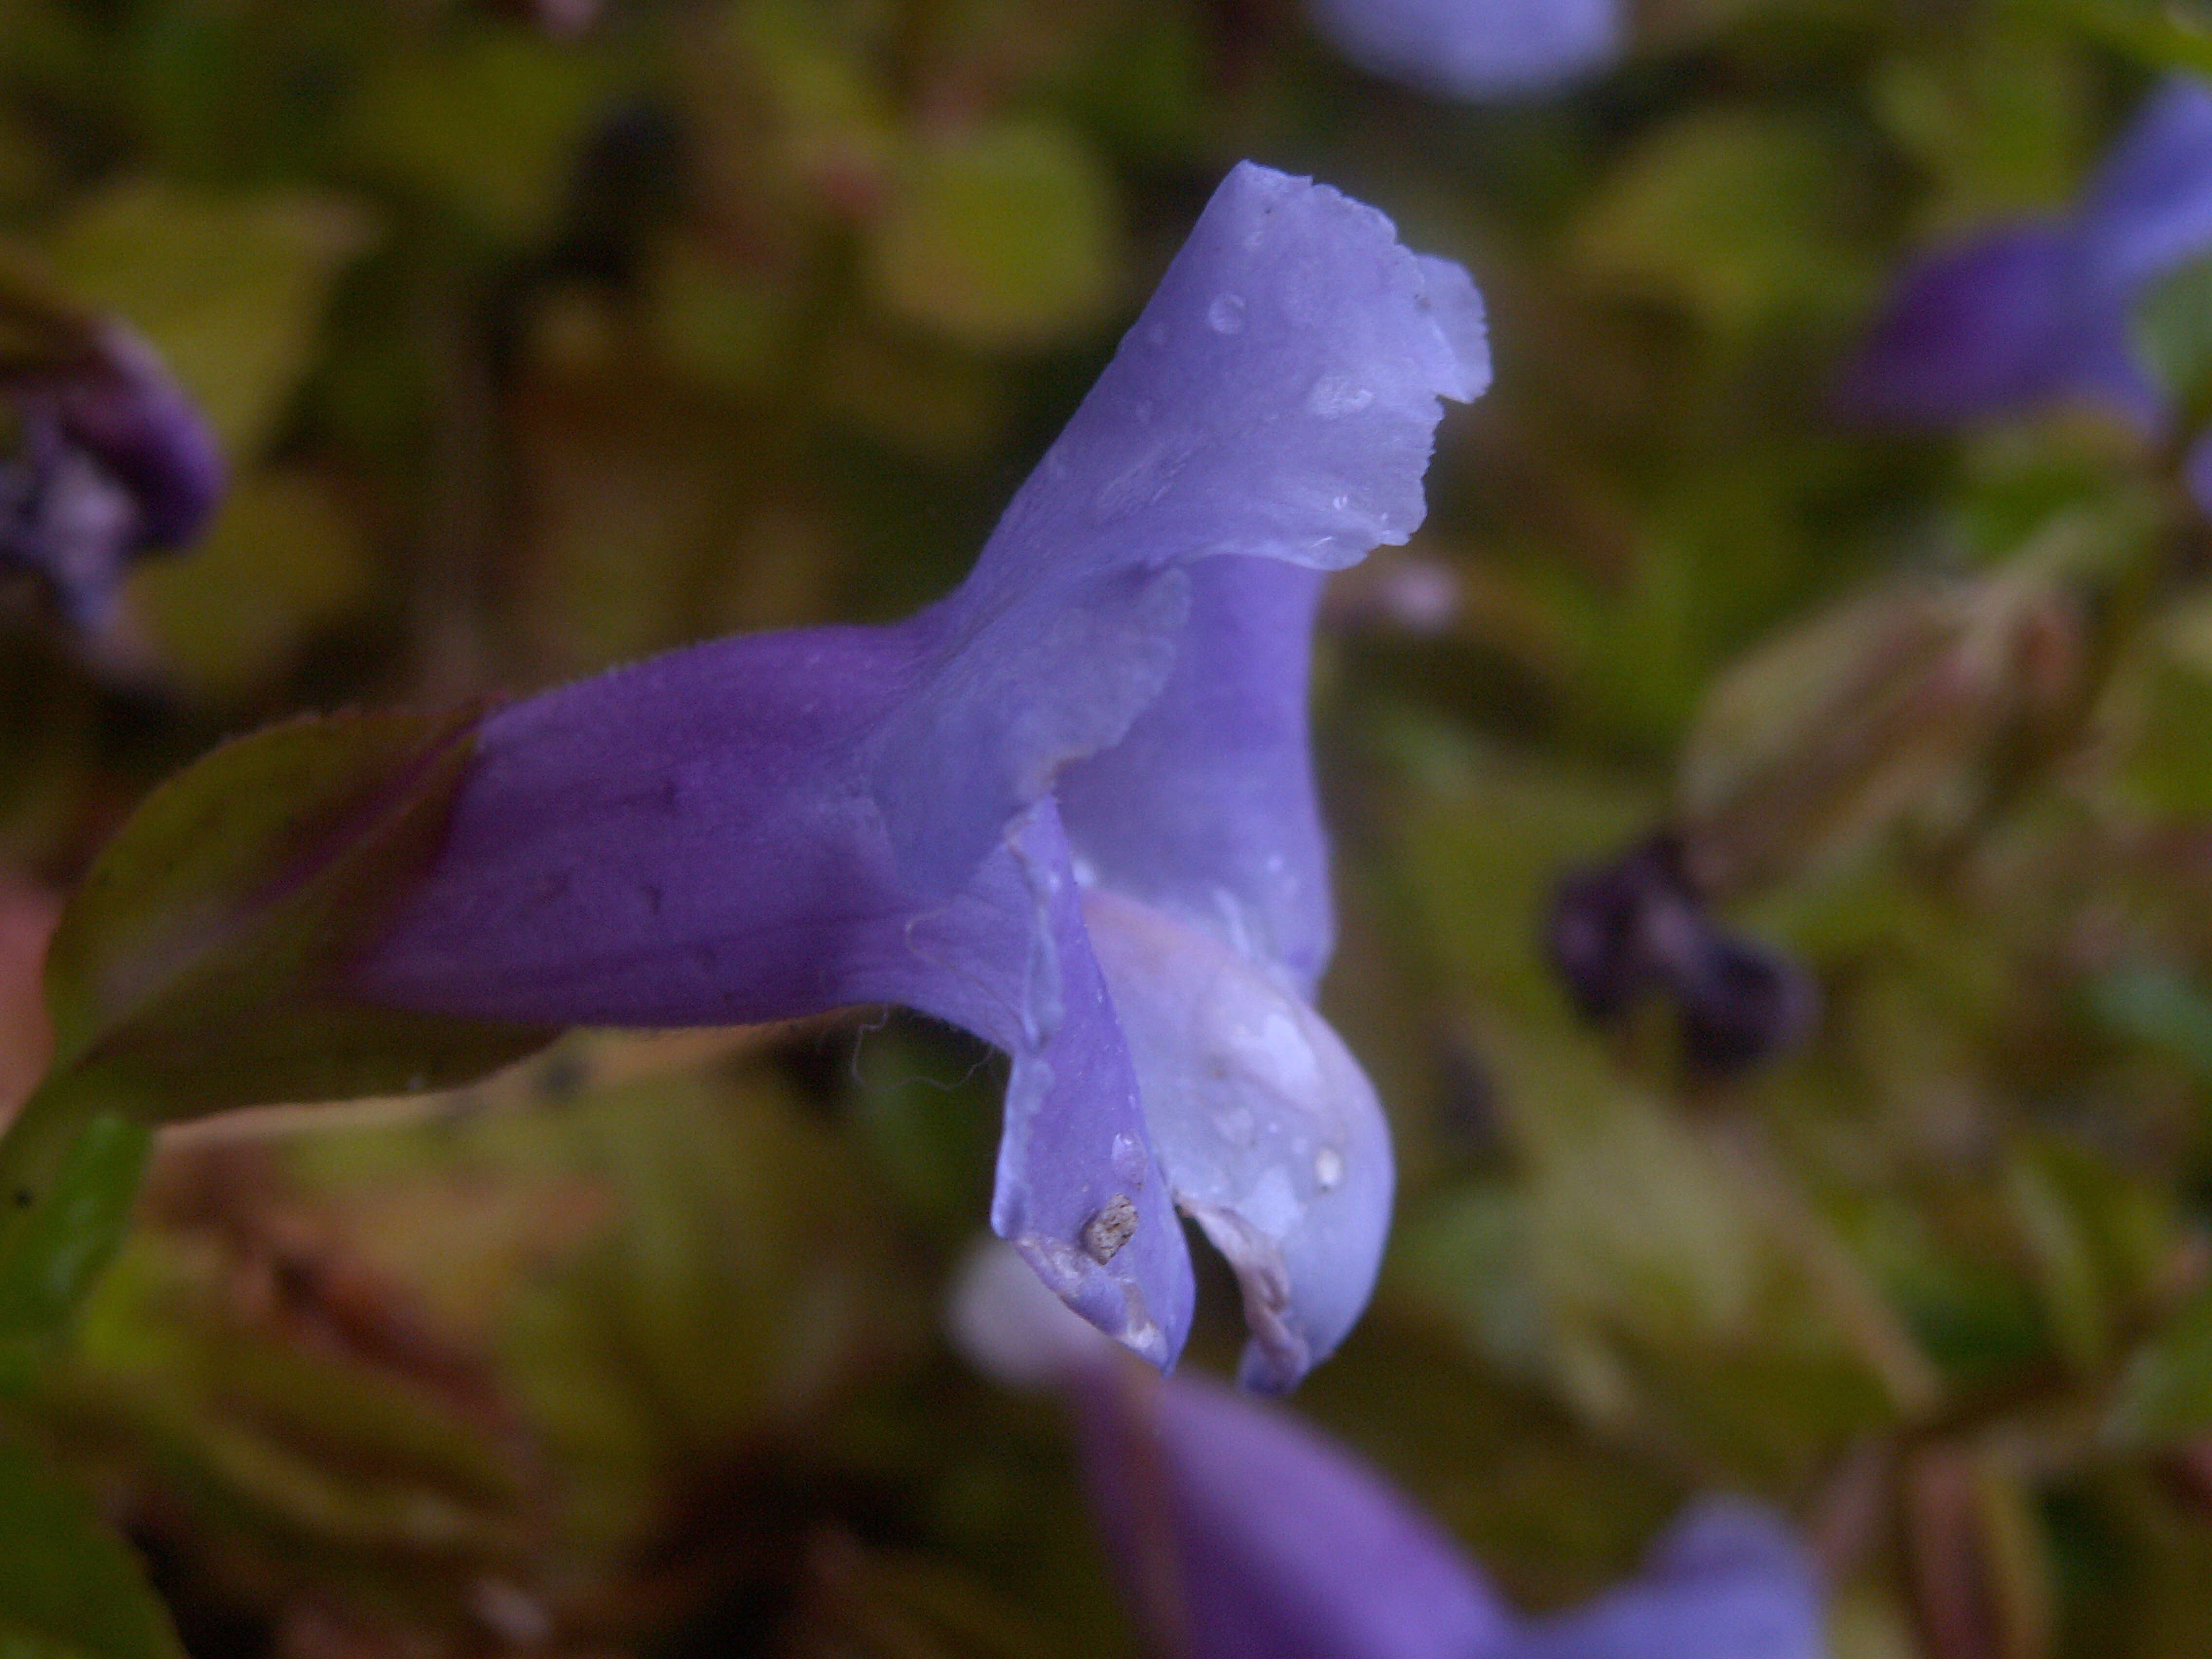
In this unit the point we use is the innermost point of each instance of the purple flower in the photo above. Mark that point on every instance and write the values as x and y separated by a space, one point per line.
114 460
1242 1534
2038 312
1728 1580
1239 1533
1638 923
1069 808
1473 48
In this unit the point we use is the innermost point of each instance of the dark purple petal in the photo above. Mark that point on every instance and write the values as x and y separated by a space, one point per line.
1741 1003
1637 924
2149 209
114 459
1473 48
2039 311
1595 933
129 414
1241 1534
65 517
690 840
1997 327
1727 1581
1278 396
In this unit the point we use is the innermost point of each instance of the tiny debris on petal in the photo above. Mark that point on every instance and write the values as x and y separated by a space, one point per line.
1105 1233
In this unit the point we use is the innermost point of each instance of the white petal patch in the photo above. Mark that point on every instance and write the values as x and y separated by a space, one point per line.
1268 1131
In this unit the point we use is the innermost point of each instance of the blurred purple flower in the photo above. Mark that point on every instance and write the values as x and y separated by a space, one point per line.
1069 808
1239 1533
1638 923
114 460
1473 48
2038 312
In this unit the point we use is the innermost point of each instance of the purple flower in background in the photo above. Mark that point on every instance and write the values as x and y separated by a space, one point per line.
1473 48
114 460
2038 312
1239 1533
1069 808
1638 923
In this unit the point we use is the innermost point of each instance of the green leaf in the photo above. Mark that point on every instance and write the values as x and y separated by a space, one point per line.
2166 1393
1734 214
1006 237
283 561
930 1130
230 288
2167 767
1465 1263
2097 1238
70 1588
1887 707
2000 125
1810 746
55 1247
2155 1006
2171 331
486 128
2162 36
197 967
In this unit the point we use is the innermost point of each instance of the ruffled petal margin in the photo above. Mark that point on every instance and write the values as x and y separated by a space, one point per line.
1278 398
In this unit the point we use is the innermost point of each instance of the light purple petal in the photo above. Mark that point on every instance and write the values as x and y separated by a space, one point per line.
2149 209
1243 1535
1473 48
1205 809
1276 398
1995 327
1270 1134
1727 1580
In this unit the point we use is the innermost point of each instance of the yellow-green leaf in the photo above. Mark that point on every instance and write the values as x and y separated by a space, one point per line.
68 1586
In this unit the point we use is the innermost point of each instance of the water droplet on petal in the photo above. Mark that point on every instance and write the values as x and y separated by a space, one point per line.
1226 314
1329 1168
1129 1160
1337 394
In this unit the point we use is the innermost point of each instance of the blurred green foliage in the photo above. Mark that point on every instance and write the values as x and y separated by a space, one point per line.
536 351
